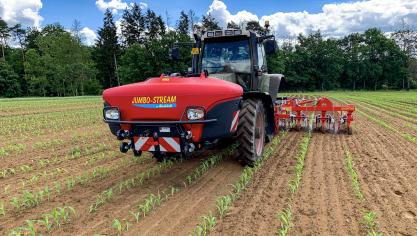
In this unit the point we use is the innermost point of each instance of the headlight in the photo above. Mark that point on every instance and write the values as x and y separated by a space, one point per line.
111 113
195 113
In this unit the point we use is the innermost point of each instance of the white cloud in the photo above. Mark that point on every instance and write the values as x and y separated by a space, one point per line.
143 5
334 20
25 12
88 36
219 11
113 5
118 24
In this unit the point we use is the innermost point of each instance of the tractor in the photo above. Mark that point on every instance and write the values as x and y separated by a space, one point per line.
228 93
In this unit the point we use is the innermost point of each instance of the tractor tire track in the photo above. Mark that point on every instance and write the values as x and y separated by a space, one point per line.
325 203
255 212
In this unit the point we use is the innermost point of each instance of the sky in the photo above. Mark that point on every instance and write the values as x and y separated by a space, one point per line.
288 18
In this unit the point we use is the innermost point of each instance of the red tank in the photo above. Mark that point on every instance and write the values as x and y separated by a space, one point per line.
158 108
166 98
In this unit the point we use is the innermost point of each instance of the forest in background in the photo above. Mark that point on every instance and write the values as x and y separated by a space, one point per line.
53 61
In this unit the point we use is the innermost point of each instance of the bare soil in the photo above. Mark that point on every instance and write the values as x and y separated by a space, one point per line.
255 212
325 203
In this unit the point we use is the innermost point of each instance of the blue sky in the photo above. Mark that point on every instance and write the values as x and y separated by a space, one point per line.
86 11
288 18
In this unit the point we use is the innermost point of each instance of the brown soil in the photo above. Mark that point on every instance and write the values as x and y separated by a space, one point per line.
181 214
121 204
255 212
400 123
325 203
387 165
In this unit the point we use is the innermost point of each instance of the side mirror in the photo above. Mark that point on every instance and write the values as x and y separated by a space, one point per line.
270 47
175 53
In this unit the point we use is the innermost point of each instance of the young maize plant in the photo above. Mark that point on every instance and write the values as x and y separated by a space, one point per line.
369 217
107 195
224 202
2 209
152 201
207 225
353 176
120 226
370 222
285 216
57 217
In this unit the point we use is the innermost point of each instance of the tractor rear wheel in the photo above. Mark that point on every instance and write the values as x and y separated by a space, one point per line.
251 131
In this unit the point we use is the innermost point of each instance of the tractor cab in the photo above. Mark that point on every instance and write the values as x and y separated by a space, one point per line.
237 56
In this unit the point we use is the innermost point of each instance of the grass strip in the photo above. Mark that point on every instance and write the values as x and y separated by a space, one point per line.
223 203
369 217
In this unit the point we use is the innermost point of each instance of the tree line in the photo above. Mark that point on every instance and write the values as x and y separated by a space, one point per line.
53 61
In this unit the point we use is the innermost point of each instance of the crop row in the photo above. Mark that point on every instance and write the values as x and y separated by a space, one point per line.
20 146
369 217
22 105
30 199
55 218
75 153
153 201
387 126
137 180
285 216
406 136
36 125
388 109
223 203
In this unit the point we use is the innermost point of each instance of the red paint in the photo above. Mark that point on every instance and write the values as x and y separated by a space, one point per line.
194 91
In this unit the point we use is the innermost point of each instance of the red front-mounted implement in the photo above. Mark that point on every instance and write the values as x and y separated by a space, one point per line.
295 113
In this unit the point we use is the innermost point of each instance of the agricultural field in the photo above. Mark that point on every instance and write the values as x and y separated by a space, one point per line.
61 173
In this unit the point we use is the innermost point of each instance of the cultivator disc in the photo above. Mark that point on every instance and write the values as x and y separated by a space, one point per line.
313 114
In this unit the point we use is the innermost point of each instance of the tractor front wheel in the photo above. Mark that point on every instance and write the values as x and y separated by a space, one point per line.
251 131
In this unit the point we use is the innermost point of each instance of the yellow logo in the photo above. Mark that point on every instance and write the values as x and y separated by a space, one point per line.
155 102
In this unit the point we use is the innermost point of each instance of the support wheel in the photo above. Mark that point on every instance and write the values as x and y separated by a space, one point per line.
251 131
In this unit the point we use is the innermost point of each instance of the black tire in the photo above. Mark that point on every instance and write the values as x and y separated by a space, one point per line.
251 138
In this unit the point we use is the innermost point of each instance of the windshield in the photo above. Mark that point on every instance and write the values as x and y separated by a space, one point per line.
226 57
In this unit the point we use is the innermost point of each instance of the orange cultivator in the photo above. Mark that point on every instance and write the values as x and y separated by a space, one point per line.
295 113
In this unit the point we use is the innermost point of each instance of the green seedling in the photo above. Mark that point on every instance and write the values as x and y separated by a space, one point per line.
46 221
353 176
2 209
120 227
223 204
370 222
30 227
285 218
135 215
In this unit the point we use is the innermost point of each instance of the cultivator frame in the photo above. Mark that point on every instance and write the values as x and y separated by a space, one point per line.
297 113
